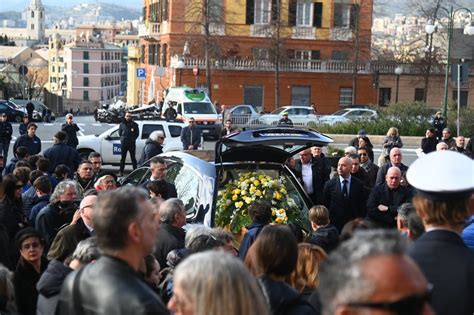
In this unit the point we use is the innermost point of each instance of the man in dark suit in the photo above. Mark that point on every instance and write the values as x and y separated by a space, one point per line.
395 160
171 234
443 205
385 199
312 176
158 170
344 195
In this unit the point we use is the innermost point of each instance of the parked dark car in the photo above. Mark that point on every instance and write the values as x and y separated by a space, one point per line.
200 177
14 113
38 112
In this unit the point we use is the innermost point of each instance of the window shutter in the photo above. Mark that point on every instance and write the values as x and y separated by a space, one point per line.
275 11
315 55
317 14
292 13
249 14
354 15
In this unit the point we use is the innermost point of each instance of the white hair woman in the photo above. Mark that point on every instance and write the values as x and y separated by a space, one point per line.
215 283
153 146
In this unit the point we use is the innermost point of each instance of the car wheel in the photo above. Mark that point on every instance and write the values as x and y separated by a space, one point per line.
18 119
84 153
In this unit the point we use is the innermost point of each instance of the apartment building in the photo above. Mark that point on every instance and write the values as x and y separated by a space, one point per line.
312 44
92 70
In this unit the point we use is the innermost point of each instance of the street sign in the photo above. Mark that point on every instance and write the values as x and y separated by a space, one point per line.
464 72
141 74
23 70
195 70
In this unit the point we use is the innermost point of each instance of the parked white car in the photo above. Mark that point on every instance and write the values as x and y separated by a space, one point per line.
348 114
299 115
242 115
108 142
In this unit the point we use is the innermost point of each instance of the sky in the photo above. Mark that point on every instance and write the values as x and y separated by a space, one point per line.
20 5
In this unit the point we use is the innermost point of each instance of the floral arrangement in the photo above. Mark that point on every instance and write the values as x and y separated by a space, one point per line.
237 195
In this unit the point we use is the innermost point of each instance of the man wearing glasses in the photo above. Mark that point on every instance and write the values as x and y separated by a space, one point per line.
153 146
67 238
371 274
5 136
128 132
191 136
71 129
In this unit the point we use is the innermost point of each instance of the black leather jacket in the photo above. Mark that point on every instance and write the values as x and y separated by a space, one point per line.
108 286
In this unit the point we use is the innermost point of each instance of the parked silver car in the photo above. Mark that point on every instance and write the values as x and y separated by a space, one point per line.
299 115
348 114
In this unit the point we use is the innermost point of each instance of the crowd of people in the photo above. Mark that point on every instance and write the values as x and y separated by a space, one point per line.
384 237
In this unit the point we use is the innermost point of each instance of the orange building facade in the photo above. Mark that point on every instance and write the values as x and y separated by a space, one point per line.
314 43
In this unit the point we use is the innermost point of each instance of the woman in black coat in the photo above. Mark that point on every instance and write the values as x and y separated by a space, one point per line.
12 218
30 267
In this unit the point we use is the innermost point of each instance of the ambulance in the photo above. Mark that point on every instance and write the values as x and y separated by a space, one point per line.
194 103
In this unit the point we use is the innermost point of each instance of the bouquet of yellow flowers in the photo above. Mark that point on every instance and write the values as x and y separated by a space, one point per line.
237 195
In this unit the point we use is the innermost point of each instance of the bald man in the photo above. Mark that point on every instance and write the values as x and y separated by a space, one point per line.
67 239
385 199
396 157
344 195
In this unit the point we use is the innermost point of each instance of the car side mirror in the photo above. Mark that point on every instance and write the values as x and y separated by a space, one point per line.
108 138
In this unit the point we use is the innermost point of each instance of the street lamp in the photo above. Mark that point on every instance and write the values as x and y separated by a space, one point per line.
430 28
398 71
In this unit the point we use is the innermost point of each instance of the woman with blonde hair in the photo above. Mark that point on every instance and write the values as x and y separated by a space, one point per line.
391 140
305 278
215 283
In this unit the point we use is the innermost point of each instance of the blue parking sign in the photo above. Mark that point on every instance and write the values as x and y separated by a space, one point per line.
141 73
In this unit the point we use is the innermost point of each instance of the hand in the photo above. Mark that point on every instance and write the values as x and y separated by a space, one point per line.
382 208
190 147
76 216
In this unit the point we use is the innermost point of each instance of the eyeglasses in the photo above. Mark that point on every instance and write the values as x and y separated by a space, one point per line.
362 154
18 186
109 181
161 138
192 121
409 305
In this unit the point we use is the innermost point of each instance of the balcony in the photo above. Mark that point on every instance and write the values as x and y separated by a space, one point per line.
154 29
342 34
261 30
311 66
303 32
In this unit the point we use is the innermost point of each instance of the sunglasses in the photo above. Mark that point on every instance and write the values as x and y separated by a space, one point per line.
161 138
18 186
409 305
363 154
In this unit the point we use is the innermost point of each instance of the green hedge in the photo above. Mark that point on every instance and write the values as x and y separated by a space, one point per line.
411 119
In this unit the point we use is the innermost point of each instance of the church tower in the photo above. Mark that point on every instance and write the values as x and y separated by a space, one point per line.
35 21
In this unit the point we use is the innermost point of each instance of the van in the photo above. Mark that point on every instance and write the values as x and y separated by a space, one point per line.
194 103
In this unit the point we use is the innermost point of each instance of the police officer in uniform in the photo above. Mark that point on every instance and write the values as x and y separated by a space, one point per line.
128 132
444 205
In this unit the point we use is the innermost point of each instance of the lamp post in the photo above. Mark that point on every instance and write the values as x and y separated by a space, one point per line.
430 28
398 71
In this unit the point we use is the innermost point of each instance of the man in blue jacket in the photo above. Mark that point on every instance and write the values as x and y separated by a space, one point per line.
62 153
191 136
29 140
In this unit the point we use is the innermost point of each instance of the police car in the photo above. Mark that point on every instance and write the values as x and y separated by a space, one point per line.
108 142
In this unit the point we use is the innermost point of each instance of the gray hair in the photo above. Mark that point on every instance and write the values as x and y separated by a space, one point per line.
219 277
87 250
350 149
404 210
61 189
169 209
155 135
194 231
7 290
342 276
